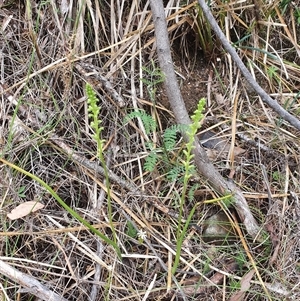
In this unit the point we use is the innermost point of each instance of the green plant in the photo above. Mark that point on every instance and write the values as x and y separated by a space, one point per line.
150 125
283 5
172 168
63 204
151 161
241 259
156 154
277 176
155 77
185 166
272 73
204 32
234 284
21 193
94 110
147 120
297 15
191 193
130 230
188 172
170 135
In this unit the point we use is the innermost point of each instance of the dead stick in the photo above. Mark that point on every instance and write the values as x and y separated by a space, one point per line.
204 166
257 88
32 285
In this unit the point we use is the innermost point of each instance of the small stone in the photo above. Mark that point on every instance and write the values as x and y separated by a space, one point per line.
218 229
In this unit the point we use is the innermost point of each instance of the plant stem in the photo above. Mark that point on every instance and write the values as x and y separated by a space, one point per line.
63 204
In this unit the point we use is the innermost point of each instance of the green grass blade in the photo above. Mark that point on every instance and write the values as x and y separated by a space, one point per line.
64 205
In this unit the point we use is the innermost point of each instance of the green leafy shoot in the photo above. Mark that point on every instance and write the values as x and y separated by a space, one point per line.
170 136
147 120
191 192
192 130
130 230
297 15
94 110
154 77
21 192
174 173
151 161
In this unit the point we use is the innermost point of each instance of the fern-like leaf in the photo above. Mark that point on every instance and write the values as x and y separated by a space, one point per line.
174 173
170 135
147 120
191 193
150 161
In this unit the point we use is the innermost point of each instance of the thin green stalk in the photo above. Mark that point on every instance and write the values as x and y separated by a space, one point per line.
94 111
63 204
181 238
189 168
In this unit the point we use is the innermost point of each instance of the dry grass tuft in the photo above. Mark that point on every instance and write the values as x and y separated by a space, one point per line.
48 52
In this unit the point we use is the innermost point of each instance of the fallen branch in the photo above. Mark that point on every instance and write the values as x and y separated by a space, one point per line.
32 285
204 166
257 88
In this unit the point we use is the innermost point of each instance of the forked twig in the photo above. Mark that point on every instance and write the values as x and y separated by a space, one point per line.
32 285
84 68
256 87
204 166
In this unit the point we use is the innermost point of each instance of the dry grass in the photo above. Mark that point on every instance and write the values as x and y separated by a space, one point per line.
48 52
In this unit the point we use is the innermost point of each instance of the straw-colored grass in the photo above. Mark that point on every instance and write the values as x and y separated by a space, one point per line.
49 51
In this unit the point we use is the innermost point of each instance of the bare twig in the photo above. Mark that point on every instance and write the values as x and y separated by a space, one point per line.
32 285
204 166
257 88
82 67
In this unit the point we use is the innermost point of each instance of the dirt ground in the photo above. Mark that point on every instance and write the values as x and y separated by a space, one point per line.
49 51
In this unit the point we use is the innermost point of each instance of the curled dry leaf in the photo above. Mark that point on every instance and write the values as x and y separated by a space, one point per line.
217 147
24 209
245 285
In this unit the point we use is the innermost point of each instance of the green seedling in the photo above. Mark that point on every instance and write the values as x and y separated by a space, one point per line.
21 192
192 129
94 110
